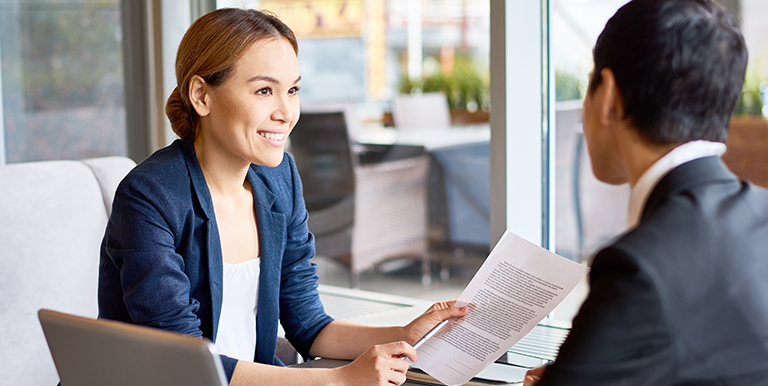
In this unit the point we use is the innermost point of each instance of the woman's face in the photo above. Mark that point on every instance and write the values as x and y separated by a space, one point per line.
252 113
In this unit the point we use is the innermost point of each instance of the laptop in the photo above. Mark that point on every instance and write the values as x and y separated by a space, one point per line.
90 352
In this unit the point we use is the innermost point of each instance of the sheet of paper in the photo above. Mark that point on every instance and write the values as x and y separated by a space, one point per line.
517 286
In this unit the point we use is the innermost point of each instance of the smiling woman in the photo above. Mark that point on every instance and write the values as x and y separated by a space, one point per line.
252 113
208 237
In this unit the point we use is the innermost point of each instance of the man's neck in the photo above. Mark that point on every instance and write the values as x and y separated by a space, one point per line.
648 180
638 154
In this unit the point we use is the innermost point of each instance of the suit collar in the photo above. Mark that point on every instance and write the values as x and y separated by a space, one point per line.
681 154
687 176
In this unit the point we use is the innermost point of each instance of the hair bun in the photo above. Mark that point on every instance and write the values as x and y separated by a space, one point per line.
178 113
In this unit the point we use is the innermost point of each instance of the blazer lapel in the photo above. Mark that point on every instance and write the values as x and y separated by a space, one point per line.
272 238
684 177
212 242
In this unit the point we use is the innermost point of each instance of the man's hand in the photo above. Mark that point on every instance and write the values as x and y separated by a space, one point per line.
533 376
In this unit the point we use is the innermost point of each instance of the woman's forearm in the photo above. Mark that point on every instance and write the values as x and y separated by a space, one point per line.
341 339
254 374
346 340
379 365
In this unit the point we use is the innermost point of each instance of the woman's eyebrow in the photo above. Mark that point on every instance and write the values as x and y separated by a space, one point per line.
270 79
266 78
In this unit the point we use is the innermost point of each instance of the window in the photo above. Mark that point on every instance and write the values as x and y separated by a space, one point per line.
367 52
61 80
588 213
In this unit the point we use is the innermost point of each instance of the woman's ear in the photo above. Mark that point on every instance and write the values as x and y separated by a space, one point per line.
198 95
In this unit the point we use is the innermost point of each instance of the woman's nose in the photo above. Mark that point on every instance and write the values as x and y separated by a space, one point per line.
284 109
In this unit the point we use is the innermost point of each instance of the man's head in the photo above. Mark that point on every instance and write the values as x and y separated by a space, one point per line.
679 67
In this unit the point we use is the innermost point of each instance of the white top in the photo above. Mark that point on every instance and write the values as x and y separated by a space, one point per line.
236 335
684 153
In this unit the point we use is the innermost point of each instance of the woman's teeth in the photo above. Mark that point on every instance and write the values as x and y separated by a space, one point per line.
272 136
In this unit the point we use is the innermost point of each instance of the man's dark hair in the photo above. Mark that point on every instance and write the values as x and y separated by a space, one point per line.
679 67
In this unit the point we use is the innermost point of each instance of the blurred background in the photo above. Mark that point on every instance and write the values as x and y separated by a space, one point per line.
393 143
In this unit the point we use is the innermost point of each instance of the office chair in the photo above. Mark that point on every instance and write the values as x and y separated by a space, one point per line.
366 212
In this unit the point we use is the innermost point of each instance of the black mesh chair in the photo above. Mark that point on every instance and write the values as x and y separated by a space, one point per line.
367 212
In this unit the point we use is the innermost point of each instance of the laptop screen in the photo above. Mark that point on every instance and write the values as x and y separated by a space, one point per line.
94 352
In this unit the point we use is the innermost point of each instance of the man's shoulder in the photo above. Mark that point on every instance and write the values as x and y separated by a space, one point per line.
702 229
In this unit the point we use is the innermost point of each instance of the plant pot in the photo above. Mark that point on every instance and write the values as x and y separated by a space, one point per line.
747 153
464 117
458 118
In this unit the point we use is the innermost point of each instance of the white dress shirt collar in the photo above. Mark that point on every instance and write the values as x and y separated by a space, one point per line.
684 153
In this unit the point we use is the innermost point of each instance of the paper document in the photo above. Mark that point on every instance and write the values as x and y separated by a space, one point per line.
517 286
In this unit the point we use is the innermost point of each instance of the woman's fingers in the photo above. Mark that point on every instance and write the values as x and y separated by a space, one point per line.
435 314
445 310
442 305
400 349
450 312
380 365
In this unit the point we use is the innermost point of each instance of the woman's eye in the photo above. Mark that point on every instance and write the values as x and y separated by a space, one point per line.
294 90
264 91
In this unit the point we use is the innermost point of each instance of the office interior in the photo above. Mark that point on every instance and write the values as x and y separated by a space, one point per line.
496 144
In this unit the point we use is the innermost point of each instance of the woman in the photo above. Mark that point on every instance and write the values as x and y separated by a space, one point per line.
208 237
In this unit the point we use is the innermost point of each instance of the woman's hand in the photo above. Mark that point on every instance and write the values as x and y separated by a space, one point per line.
533 376
380 365
434 315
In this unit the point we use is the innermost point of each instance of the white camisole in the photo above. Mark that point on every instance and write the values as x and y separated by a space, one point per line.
236 334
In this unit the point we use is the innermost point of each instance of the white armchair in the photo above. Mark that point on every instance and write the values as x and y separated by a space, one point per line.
52 219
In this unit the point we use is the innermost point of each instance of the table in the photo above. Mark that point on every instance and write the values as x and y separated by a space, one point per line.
332 363
429 138
372 308
459 202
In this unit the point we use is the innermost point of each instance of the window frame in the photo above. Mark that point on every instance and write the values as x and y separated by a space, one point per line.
521 174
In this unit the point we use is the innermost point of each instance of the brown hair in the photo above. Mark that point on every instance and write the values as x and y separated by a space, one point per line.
210 48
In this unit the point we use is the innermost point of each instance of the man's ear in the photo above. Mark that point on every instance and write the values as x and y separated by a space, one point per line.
198 95
611 108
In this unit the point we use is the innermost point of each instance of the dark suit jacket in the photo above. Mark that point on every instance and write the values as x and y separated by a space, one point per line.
683 298
161 257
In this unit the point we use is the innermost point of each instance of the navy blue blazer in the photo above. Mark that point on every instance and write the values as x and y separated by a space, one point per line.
161 263
680 299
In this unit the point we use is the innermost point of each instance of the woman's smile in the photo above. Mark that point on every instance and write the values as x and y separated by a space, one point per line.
277 139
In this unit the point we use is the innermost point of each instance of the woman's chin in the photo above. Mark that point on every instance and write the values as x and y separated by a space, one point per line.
269 161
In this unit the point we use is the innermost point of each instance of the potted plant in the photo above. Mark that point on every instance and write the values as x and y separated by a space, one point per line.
747 144
466 87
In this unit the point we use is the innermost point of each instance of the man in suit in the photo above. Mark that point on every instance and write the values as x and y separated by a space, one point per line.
682 297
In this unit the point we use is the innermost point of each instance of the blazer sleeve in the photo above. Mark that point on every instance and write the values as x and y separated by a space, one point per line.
620 336
140 242
301 312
